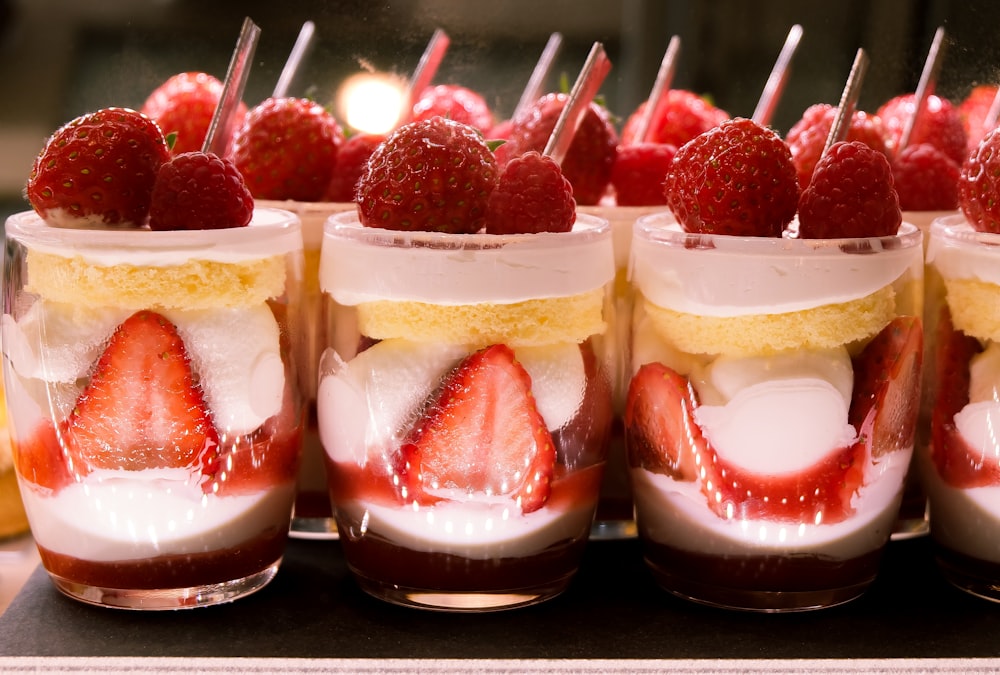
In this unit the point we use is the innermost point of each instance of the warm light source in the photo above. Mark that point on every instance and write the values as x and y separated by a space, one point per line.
372 103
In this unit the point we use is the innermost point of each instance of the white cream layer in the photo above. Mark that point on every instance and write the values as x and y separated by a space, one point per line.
740 276
117 516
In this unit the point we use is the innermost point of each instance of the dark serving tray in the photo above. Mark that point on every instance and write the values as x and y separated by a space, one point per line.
613 610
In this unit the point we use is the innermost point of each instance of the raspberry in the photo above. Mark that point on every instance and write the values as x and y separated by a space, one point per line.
683 116
926 179
736 179
979 185
455 103
351 161
851 195
199 191
588 161
807 137
287 149
434 175
638 173
532 195
940 125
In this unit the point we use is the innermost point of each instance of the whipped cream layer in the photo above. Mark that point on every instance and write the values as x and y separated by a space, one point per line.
725 276
450 269
113 516
271 232
675 513
960 252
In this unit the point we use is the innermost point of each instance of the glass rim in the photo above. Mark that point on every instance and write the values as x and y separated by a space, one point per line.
957 230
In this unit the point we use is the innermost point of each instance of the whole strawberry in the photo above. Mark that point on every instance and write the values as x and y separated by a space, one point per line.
588 161
431 176
807 137
851 195
199 191
973 110
735 179
456 103
639 171
352 158
940 125
979 185
532 195
682 116
926 179
287 148
98 169
184 106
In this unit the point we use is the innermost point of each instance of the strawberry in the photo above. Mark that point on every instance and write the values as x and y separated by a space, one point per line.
199 191
958 464
453 102
851 195
352 158
639 171
940 125
41 459
98 169
925 179
681 117
432 176
973 110
481 435
287 148
184 106
886 386
142 408
661 435
735 179
979 185
532 195
807 137
588 161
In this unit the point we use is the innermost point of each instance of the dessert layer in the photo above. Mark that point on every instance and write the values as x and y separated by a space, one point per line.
974 306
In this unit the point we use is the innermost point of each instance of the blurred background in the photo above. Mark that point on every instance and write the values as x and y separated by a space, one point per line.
62 58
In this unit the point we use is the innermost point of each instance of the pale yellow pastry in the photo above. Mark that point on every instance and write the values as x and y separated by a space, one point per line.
975 307
531 322
195 284
816 328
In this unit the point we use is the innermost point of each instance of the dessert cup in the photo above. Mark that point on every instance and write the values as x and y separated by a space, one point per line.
960 466
615 517
154 405
312 517
465 407
770 416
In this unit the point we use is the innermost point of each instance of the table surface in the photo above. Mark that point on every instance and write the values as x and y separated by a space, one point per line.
612 610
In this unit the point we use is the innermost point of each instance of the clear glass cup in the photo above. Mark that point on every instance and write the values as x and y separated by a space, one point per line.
960 467
771 411
312 517
154 405
465 408
615 517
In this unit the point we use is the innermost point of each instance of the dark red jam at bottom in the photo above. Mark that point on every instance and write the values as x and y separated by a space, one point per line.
186 570
761 582
374 558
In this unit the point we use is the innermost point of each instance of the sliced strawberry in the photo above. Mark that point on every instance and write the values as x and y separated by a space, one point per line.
481 435
661 435
957 463
40 459
142 408
887 385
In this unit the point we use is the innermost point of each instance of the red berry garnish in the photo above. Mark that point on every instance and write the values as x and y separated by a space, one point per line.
199 191
807 137
433 176
979 185
639 171
532 195
940 125
735 179
926 179
98 169
352 158
681 117
287 149
851 195
184 106
454 102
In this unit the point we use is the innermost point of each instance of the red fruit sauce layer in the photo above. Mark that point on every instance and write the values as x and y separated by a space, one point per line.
376 558
185 570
